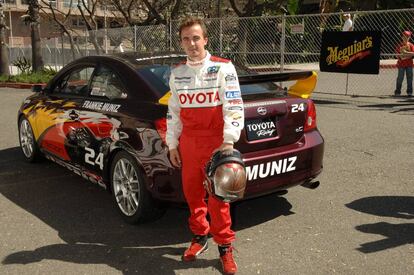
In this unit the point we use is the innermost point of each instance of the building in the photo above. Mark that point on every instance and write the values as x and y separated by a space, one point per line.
18 34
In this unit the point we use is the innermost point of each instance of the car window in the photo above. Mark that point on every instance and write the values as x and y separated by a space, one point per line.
106 83
261 88
75 82
158 76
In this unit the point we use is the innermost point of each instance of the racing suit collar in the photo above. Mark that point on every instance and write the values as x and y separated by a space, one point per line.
197 64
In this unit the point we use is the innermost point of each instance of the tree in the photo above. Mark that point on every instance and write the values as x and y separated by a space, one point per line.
32 18
259 8
90 21
61 19
247 9
147 12
4 51
381 4
327 6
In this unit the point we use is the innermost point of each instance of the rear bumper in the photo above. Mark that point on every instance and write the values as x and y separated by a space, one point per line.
308 152
283 167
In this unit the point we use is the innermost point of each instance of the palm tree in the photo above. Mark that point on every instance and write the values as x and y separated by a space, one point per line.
32 18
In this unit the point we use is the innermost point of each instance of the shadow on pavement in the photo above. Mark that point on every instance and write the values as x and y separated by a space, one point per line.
87 221
399 106
327 102
386 206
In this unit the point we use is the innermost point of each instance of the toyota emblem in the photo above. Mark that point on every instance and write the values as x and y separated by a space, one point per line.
262 111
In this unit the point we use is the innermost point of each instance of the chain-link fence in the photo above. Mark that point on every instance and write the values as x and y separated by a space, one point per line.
278 43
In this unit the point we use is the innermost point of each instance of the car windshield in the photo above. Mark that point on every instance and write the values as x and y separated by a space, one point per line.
159 77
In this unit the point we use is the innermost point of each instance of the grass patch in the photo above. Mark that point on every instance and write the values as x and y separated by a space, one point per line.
32 77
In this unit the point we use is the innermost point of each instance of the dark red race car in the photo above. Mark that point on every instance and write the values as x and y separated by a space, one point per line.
104 118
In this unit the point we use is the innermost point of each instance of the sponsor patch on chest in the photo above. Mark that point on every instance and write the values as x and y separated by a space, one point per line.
199 99
213 69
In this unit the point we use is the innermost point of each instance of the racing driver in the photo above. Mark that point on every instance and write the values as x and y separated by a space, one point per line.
205 114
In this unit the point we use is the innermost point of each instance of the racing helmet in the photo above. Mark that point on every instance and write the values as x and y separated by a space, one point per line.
226 176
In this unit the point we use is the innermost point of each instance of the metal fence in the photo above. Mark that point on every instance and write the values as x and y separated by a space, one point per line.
278 43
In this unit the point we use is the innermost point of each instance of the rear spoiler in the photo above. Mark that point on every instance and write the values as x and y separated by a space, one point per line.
274 77
304 86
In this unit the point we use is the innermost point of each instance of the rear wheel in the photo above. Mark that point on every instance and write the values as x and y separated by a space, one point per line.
27 141
131 197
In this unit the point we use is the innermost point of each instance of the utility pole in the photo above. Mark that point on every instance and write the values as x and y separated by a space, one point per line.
4 50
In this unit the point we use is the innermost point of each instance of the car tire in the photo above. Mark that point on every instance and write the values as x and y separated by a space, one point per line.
129 192
27 141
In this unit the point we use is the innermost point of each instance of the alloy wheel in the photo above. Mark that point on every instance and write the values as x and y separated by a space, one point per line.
125 183
26 139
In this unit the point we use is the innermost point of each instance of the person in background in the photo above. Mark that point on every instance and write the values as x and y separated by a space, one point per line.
405 52
348 24
205 114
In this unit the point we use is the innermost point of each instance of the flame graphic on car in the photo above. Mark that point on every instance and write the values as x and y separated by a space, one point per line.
45 114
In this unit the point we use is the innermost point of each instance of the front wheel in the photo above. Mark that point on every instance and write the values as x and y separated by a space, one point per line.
132 199
27 141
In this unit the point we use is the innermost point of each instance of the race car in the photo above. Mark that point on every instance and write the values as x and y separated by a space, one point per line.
104 118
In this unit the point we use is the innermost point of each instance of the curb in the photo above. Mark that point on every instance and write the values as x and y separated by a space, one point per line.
20 85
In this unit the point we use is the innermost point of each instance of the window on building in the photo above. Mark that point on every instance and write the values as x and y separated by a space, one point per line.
67 3
10 2
26 2
78 22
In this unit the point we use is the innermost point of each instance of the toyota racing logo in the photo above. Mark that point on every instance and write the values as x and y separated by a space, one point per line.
262 111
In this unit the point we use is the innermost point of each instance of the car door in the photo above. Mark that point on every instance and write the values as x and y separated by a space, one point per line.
100 116
58 114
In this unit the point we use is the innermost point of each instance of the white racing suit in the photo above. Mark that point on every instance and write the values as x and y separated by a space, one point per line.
205 109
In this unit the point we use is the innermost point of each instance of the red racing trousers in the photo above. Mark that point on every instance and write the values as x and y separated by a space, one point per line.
196 151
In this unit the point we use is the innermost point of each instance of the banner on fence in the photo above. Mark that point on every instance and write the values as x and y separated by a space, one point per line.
355 52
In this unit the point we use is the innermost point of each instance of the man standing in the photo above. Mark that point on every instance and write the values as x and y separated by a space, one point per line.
405 51
205 113
347 27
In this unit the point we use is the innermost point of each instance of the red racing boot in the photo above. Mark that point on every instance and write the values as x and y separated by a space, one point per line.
198 246
227 260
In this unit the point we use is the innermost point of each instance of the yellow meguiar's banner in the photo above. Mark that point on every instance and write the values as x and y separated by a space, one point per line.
350 52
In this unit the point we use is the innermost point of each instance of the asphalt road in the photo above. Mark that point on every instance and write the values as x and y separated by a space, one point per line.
359 221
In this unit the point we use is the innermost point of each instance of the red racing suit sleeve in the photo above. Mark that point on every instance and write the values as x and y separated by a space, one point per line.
233 110
174 125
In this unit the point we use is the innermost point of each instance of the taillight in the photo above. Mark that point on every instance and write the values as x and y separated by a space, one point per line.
310 122
161 126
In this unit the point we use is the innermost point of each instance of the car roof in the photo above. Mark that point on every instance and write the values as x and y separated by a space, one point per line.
159 58
139 60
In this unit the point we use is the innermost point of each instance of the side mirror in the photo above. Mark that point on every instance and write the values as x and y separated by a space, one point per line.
37 88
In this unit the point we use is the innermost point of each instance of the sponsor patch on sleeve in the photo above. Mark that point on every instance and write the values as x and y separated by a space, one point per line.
235 108
236 116
230 77
235 102
232 94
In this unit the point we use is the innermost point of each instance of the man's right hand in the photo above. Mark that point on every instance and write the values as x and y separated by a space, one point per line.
175 158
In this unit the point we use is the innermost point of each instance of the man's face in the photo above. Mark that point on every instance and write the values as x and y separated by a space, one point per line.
193 42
